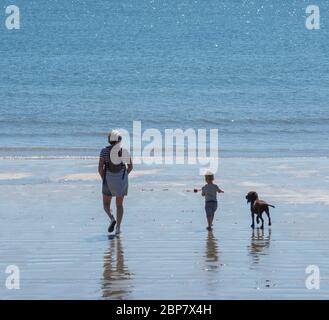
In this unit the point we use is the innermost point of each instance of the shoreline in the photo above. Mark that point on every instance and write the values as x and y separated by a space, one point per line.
4 158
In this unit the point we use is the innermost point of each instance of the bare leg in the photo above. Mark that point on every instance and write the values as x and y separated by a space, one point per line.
107 205
119 204
210 219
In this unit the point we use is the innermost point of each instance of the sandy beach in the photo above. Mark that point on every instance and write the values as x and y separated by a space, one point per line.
54 229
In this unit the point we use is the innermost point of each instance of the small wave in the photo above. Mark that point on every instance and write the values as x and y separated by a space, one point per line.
265 121
226 130
47 133
48 158
14 175
168 121
48 149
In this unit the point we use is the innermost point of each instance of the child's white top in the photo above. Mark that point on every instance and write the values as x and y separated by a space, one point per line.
210 191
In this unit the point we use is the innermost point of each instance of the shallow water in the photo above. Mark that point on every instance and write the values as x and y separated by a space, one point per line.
55 231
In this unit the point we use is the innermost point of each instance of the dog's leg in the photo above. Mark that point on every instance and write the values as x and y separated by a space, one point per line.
268 216
252 220
262 220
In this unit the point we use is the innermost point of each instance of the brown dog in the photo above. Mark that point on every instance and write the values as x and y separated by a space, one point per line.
258 207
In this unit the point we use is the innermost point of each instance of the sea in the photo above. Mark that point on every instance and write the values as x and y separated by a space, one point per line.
251 69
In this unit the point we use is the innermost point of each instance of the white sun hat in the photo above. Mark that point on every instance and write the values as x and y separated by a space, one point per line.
208 173
115 135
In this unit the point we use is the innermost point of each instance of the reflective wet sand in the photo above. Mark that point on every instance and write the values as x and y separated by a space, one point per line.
55 232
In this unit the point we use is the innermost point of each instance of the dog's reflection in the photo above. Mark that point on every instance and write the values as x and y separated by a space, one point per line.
211 252
259 244
115 284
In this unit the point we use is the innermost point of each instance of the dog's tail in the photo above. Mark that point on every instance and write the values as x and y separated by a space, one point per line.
271 206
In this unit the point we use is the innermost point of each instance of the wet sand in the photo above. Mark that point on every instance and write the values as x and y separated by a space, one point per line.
54 229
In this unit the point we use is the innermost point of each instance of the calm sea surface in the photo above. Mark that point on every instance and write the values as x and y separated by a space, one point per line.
75 69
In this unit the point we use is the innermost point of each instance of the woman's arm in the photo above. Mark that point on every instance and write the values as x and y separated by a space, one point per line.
130 166
101 166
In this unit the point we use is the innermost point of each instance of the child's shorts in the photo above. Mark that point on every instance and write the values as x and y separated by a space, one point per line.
211 207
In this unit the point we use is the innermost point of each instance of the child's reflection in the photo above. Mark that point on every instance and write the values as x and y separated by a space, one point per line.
212 252
212 263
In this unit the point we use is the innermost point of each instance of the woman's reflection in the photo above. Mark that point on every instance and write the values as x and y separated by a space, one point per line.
116 284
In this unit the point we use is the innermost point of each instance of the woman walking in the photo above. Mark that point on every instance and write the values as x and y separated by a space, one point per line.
114 167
